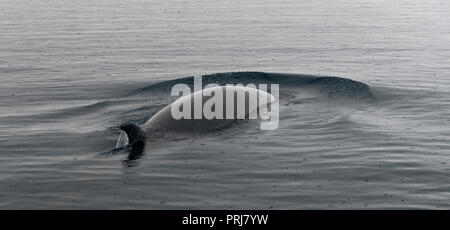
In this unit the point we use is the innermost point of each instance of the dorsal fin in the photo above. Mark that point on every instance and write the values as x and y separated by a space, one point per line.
136 135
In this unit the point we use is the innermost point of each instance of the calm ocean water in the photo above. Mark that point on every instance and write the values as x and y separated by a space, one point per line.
72 71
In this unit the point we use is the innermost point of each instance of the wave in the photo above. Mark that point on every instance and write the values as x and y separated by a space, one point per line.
328 85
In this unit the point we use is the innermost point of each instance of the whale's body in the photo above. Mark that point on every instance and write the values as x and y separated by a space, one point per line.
165 121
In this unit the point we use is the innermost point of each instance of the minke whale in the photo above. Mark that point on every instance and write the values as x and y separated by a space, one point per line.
183 114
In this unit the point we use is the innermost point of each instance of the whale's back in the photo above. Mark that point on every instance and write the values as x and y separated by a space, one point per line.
164 119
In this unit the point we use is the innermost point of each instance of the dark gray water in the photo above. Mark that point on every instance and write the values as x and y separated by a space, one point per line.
376 137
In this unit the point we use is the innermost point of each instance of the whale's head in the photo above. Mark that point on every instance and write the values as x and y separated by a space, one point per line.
135 134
